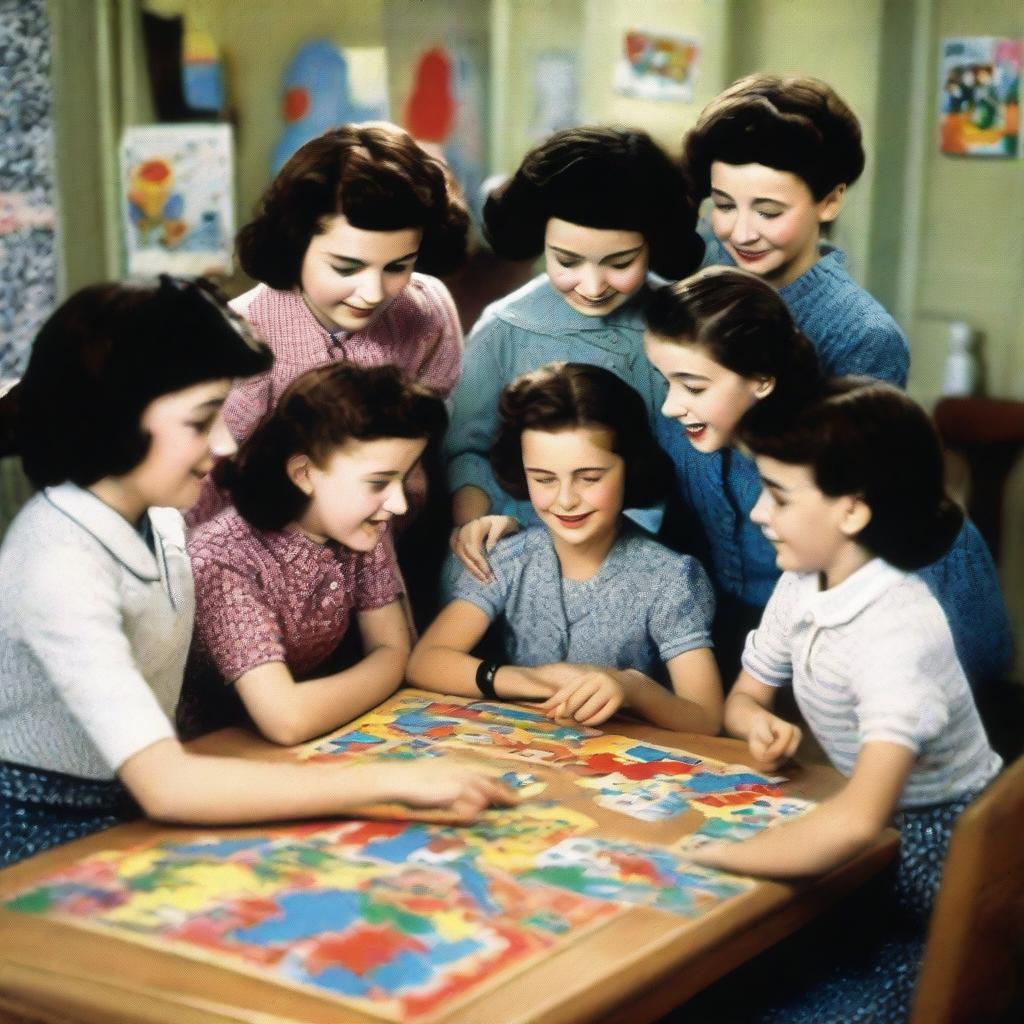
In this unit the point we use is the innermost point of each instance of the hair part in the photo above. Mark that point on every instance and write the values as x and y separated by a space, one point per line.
866 438
798 125
321 411
569 396
373 174
743 324
598 177
104 355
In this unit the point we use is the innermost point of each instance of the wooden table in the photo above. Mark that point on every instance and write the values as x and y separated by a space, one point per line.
631 970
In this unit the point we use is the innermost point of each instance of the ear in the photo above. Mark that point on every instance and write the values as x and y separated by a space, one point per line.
764 387
856 515
299 468
829 207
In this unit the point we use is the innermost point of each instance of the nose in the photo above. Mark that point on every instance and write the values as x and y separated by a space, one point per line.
744 227
396 502
371 286
674 405
592 281
761 512
567 497
222 444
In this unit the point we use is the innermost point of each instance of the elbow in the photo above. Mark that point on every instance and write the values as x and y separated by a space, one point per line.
417 668
286 731
714 717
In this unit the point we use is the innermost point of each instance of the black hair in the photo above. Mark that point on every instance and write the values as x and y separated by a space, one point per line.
799 125
102 357
379 178
563 396
319 412
867 438
610 178
744 325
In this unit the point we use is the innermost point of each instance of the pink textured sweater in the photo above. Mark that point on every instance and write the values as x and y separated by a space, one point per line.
268 596
418 332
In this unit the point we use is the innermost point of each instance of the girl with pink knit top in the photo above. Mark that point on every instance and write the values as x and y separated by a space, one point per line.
280 577
334 243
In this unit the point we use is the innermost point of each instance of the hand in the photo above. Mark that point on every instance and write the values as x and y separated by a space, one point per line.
773 740
472 540
444 783
590 696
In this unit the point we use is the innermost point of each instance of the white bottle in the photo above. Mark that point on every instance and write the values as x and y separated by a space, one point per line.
962 376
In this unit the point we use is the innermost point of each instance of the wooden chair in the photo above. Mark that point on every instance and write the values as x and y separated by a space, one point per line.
974 962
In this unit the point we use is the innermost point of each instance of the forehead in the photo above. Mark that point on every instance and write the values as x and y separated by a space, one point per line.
340 238
682 357
756 181
569 448
595 243
187 400
386 454
787 475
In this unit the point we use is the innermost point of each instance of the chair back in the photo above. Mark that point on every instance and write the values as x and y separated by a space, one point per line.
973 968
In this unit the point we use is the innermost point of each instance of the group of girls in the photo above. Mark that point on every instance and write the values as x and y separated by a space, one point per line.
330 378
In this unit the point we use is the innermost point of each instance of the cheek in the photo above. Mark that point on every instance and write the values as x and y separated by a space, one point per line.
721 223
564 279
395 284
629 280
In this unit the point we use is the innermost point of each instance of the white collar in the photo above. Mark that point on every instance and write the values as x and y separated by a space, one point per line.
858 591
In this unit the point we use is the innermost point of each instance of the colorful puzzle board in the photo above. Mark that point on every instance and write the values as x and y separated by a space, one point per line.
404 920
642 780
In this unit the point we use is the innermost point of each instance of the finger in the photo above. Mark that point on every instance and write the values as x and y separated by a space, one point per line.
471 558
592 706
603 713
794 742
494 534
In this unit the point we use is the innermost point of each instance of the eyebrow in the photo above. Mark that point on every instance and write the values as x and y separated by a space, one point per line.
579 469
683 375
208 406
774 484
757 199
362 263
610 256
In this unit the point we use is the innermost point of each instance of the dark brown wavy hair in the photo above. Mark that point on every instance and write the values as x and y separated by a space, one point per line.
319 412
867 438
563 396
374 174
799 125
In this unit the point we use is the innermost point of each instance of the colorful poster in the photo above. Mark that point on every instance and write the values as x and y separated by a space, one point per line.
979 96
656 66
178 199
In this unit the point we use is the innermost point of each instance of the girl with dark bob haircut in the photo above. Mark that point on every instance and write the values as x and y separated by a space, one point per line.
777 157
338 243
114 415
852 497
731 355
307 549
604 205
593 609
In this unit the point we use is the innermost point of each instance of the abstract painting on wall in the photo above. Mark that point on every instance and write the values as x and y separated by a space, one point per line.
177 199
979 96
656 66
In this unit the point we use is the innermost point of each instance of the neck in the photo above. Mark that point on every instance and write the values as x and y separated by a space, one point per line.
328 325
121 498
851 558
300 526
797 268
582 561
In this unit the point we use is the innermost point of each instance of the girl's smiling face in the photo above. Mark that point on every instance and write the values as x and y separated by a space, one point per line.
359 488
768 220
596 270
705 397
350 276
576 484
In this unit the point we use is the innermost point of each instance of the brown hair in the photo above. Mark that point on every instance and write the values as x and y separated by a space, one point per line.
799 125
562 396
321 411
867 438
374 174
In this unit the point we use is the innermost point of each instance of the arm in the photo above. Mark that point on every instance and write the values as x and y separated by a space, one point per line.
176 786
441 660
748 716
833 832
287 712
443 357
471 543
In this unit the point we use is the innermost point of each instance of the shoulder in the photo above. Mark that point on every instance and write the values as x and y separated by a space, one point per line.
511 554
226 540
242 303
530 308
423 296
643 553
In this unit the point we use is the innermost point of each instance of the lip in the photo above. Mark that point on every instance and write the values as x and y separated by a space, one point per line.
602 301
749 256
694 431
573 522
359 311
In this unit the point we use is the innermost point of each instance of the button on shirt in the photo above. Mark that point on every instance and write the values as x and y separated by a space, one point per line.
872 659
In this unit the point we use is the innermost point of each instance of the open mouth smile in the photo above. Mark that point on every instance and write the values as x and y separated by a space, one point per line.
695 430
573 522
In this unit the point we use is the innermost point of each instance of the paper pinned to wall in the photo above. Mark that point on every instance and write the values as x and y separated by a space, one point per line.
177 199
657 66
979 96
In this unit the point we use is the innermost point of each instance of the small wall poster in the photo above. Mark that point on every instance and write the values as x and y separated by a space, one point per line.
655 66
178 199
979 96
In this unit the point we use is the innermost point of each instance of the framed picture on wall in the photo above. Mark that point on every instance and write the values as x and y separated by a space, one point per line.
979 96
656 66
177 199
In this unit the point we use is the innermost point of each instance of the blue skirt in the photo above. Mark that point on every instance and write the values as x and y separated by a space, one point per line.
40 809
